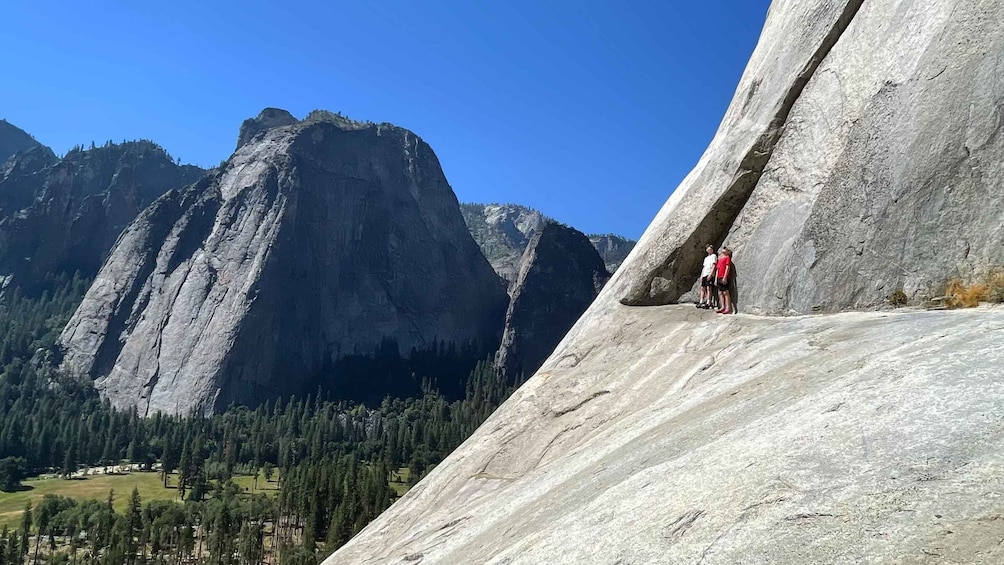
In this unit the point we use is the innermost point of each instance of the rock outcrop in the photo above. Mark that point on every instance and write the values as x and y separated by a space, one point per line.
21 178
559 277
316 241
14 140
265 120
862 152
503 232
65 215
843 158
612 248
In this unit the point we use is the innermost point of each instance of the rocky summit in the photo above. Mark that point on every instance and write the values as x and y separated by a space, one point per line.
63 215
861 154
559 277
503 232
612 248
317 242
13 140
264 121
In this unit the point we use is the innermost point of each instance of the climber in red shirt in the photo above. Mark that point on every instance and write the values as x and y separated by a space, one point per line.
723 272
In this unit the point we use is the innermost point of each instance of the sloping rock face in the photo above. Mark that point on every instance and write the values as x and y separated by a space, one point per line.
559 277
672 435
13 140
64 216
503 232
315 241
612 248
668 434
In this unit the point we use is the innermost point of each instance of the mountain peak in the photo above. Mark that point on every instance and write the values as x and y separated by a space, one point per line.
504 230
271 118
315 245
265 120
13 140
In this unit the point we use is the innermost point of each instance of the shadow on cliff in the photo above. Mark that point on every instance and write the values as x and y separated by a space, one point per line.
369 378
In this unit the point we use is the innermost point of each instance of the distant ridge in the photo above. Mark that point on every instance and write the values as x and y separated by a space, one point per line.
504 230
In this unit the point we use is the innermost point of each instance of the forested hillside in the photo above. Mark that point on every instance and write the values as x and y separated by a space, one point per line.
335 461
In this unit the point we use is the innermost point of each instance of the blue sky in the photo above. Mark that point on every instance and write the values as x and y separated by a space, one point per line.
590 111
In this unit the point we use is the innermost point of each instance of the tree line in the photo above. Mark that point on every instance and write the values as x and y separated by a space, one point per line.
334 460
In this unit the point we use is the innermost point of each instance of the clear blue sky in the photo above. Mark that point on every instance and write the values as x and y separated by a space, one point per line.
590 111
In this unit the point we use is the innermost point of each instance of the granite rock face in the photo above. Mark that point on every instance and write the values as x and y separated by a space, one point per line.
21 178
65 215
265 120
890 172
612 248
668 434
315 241
559 277
14 140
672 435
503 232
860 157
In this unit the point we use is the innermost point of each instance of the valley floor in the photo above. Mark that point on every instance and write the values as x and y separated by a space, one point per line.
97 484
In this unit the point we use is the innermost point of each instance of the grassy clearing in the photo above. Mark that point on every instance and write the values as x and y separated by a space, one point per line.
399 480
96 487
247 483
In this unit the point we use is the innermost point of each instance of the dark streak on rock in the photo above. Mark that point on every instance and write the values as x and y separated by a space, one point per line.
595 395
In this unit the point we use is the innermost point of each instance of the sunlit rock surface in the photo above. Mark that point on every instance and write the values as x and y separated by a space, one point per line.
862 152
314 241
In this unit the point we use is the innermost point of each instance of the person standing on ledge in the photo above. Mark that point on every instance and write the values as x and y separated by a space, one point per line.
723 273
708 291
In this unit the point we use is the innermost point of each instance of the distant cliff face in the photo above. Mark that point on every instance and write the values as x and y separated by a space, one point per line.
560 275
502 232
64 215
21 178
13 139
612 248
316 242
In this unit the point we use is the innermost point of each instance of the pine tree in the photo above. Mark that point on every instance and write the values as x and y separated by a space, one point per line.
134 525
69 461
167 461
184 471
26 520
41 526
251 546
106 523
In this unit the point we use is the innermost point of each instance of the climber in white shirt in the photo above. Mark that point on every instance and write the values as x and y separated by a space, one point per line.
709 296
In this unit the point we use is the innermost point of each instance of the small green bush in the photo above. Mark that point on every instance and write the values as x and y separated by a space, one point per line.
898 298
